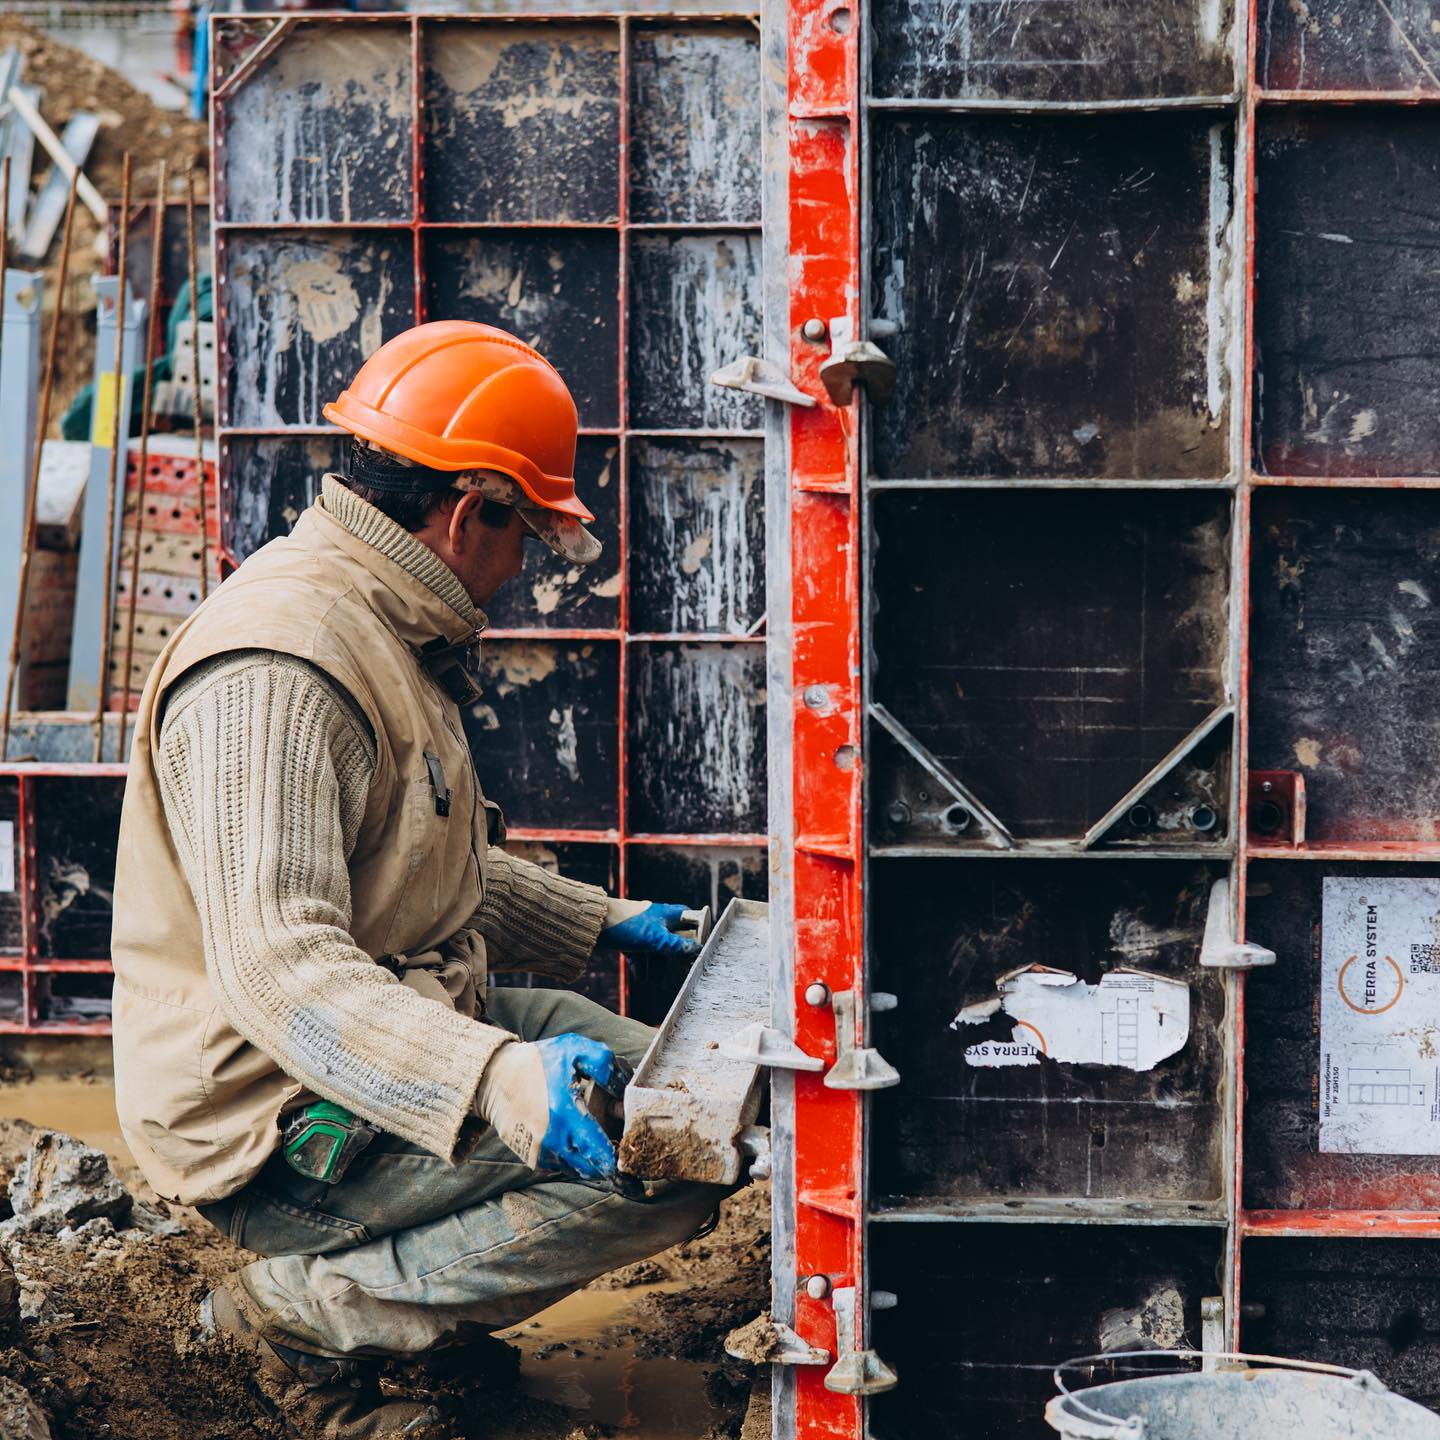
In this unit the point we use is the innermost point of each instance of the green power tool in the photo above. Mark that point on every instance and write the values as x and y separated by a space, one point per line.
322 1140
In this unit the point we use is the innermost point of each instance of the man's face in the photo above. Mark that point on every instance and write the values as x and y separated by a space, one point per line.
484 555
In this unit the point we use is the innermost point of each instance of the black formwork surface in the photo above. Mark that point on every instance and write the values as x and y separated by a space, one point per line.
987 1312
953 1132
1052 255
591 183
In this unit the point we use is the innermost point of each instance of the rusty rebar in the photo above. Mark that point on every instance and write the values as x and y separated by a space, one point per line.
199 416
157 236
47 386
119 437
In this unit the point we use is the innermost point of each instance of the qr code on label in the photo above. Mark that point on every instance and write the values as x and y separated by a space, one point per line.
1425 959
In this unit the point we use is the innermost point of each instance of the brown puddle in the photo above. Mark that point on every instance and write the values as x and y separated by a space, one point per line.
644 1399
82 1108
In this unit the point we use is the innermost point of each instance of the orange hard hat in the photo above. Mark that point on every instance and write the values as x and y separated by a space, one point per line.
456 395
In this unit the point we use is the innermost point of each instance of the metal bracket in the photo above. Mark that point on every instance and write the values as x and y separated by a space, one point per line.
1212 1331
760 377
1220 950
855 1372
762 1045
855 1067
765 1341
853 361
754 1143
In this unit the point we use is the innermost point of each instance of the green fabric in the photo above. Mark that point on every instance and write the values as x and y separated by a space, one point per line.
75 425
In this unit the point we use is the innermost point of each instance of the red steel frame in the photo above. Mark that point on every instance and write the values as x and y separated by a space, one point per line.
620 635
824 145
825 96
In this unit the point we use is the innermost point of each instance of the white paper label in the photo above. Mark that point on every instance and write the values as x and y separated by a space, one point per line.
1380 1016
7 857
1130 1019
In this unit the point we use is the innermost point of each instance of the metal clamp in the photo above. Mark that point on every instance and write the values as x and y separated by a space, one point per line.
855 1372
855 361
856 1067
760 377
762 1045
1219 950
753 1142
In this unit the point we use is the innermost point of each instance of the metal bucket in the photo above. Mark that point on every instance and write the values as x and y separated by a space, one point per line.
1254 1398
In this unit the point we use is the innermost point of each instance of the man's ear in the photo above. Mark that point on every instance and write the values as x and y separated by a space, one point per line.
457 531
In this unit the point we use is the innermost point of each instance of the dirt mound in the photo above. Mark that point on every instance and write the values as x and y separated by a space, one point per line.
108 1343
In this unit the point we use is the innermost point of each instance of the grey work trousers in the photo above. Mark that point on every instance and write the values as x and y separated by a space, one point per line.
410 1252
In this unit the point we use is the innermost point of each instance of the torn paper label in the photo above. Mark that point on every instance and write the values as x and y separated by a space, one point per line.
1380 1016
1130 1019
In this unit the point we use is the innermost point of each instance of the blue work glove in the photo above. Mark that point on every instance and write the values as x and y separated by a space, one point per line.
647 929
534 1094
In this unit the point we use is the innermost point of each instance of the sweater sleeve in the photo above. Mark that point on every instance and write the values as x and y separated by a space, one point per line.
535 920
263 773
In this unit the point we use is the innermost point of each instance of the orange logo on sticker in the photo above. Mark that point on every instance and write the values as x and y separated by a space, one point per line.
1371 989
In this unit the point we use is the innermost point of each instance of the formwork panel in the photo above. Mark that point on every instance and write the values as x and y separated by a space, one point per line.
695 305
1347 299
551 593
1048 656
303 312
963 1125
556 289
73 997
692 875
522 122
1285 1169
1345 655
1368 1304
1052 49
544 732
1341 45
696 738
270 481
12 933
1062 1292
694 124
697 535
1061 289
594 865
321 131
77 829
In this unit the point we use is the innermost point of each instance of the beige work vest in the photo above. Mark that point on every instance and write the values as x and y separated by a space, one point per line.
198 1104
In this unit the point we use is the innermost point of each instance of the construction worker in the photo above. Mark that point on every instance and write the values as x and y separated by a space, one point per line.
310 894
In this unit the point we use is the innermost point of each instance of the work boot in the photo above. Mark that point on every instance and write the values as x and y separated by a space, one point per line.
330 1397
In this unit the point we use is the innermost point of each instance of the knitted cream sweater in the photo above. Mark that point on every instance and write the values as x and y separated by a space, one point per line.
264 766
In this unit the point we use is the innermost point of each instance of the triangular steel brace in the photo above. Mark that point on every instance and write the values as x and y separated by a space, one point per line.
766 1341
760 377
762 1045
855 1067
992 828
1137 792
1220 950
855 1372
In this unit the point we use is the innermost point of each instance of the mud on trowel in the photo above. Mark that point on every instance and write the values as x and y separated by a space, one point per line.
690 1107
607 1105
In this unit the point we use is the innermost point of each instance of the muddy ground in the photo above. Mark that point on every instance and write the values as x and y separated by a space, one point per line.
110 1347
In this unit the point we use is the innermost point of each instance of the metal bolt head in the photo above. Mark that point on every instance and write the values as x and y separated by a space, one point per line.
816 697
817 993
814 329
897 812
817 1287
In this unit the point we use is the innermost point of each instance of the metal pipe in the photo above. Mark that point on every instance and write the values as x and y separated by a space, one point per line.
157 233
46 387
117 439
199 416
